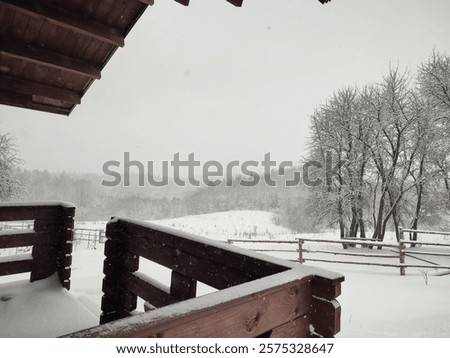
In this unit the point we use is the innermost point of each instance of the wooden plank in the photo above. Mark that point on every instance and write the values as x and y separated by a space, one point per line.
427 253
351 263
326 317
237 3
35 88
66 19
48 58
416 243
148 292
64 274
45 251
343 253
352 242
298 328
19 238
248 316
326 288
25 212
207 271
253 267
182 286
14 267
44 264
444 233
183 2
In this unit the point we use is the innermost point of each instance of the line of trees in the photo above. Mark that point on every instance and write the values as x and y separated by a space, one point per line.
389 144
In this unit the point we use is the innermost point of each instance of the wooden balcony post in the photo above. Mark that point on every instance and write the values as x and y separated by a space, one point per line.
117 302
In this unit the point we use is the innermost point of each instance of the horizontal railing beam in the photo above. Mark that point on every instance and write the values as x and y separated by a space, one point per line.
242 311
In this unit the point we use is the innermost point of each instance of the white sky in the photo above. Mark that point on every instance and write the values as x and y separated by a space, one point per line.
228 83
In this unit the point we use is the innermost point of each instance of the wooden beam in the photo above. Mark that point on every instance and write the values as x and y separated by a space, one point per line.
245 315
145 290
37 89
182 286
183 2
25 101
247 265
14 267
21 238
48 58
236 2
66 19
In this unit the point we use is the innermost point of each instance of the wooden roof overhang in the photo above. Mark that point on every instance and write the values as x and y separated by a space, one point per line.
51 51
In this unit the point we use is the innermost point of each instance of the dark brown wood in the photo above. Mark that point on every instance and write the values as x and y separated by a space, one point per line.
204 270
183 2
248 265
66 19
21 51
51 239
326 288
248 316
64 45
20 239
25 212
298 328
264 304
14 267
25 101
144 289
236 2
326 317
182 286
35 88
42 251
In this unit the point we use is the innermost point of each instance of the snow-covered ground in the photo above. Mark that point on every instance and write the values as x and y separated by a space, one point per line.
376 301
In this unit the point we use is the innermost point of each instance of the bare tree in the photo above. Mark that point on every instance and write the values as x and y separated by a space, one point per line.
339 134
10 182
434 88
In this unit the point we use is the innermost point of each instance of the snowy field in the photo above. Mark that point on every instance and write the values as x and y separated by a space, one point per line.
376 301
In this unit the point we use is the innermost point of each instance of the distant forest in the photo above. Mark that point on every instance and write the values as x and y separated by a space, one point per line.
96 202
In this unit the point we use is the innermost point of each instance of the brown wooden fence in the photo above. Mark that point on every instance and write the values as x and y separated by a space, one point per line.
257 296
396 252
50 238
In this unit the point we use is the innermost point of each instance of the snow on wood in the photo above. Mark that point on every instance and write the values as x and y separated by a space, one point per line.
15 232
41 309
37 204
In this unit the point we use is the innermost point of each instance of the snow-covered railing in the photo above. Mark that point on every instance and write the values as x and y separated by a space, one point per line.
258 296
50 239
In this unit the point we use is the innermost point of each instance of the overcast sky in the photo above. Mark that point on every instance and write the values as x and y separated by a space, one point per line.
228 83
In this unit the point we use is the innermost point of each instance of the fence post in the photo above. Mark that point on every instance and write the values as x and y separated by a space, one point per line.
300 251
401 250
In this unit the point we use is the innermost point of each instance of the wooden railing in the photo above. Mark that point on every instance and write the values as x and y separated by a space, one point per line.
257 296
50 238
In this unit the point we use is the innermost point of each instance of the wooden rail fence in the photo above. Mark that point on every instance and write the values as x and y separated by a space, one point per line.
398 252
258 296
91 237
50 238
